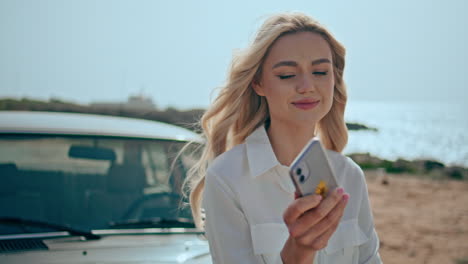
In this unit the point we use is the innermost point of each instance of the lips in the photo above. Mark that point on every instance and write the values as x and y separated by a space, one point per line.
306 104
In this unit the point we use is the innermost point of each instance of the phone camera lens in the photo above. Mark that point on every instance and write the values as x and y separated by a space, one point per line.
301 178
298 171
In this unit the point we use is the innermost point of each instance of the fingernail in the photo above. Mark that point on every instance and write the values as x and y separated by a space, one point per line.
345 197
340 190
296 196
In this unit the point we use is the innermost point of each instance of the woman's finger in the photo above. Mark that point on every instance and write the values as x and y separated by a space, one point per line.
322 240
299 206
311 218
306 236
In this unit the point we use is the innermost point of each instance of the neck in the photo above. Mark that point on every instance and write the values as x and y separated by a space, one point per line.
288 140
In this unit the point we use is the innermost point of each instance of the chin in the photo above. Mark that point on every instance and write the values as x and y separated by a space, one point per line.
305 121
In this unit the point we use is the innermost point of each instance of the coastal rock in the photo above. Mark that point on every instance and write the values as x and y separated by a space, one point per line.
356 126
433 168
366 160
457 173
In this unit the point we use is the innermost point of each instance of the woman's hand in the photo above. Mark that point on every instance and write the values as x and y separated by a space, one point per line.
311 223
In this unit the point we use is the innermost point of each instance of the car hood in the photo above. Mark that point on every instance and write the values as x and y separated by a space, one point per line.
121 249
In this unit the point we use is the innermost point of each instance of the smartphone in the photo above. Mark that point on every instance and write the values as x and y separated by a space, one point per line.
311 172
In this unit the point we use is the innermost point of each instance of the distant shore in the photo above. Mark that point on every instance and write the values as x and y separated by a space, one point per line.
429 168
189 119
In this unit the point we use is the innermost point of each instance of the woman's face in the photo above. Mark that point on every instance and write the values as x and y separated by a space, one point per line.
297 79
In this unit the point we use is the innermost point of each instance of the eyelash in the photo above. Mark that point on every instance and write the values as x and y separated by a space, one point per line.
284 77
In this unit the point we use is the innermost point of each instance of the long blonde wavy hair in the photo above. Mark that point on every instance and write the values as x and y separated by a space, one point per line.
237 110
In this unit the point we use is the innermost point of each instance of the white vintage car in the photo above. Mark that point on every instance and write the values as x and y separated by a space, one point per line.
80 188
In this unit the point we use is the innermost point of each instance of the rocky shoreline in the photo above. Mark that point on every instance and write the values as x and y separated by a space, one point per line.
357 126
430 168
185 118
189 119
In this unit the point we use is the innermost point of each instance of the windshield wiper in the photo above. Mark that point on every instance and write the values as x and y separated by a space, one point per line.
36 223
156 222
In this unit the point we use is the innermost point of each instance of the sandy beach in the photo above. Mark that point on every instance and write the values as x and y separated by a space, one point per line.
420 220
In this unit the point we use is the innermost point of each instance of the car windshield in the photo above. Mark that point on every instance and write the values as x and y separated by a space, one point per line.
90 182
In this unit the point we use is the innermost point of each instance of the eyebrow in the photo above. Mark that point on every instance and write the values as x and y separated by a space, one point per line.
319 61
294 64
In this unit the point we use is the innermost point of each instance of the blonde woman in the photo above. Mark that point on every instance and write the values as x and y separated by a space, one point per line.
285 88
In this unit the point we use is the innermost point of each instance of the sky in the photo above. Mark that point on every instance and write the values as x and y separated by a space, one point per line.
178 52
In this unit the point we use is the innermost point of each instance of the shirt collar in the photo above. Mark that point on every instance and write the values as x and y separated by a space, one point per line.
260 155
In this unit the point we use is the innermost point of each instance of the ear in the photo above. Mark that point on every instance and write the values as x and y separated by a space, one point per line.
258 88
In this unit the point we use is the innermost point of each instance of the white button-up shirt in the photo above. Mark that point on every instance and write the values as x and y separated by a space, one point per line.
246 193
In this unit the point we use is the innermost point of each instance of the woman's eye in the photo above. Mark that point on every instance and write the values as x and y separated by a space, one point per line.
282 77
320 73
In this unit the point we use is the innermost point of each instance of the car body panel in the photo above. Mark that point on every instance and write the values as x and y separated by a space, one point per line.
130 246
89 124
149 248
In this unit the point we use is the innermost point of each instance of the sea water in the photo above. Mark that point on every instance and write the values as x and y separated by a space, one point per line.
410 130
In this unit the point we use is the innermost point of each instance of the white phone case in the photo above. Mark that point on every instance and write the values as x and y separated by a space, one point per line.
311 172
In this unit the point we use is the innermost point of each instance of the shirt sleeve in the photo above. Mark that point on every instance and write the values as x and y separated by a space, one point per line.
369 251
226 226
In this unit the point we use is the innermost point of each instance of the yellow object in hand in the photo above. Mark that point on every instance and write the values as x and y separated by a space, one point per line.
322 189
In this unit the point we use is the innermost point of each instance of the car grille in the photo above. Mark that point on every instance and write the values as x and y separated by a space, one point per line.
21 245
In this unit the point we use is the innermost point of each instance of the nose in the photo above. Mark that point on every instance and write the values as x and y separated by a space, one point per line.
306 84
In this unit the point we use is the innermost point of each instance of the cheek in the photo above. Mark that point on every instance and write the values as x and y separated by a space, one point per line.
275 92
327 92
329 88
276 100
331 92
